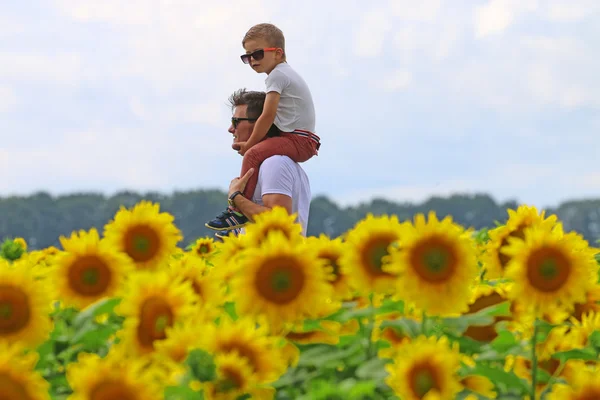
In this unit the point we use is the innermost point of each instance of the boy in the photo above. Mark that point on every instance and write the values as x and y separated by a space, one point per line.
288 105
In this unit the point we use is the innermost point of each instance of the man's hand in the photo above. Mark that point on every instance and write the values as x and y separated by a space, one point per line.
239 184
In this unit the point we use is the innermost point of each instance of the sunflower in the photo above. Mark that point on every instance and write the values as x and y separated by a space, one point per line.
151 303
580 331
183 337
425 366
493 258
114 377
21 242
262 350
25 303
550 268
365 257
392 337
205 282
331 251
480 385
89 269
276 219
147 236
583 385
226 256
234 378
437 265
485 296
18 378
282 281
203 249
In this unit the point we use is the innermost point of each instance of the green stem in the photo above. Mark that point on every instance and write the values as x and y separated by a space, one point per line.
424 324
370 346
534 360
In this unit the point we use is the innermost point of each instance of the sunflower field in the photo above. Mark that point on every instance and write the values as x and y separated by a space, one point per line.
417 309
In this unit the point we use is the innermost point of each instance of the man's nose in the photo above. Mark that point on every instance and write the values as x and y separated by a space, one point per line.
231 129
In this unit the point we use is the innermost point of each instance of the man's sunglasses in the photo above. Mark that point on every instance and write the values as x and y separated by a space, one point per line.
235 121
257 55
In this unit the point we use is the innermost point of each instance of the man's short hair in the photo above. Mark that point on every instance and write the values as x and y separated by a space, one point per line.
255 102
267 32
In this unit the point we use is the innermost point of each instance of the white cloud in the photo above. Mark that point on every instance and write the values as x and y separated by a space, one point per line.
421 11
397 80
58 67
369 38
571 10
497 15
8 99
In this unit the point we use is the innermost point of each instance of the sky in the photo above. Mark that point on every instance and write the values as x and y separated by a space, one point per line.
413 99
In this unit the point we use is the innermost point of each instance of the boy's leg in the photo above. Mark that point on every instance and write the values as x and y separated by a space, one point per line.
253 158
306 147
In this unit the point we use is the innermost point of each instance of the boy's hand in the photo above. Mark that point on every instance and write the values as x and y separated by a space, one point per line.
243 148
237 145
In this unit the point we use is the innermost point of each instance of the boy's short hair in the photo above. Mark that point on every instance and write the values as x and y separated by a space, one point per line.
254 101
268 32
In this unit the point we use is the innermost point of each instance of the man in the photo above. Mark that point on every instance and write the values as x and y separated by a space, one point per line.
281 181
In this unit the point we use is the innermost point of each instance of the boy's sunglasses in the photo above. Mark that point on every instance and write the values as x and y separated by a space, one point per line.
257 55
235 121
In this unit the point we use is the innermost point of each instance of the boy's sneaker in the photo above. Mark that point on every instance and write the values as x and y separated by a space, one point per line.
227 221
224 234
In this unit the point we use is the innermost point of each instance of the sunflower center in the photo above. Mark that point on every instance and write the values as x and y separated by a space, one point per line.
197 287
548 269
203 249
155 316
433 259
141 243
109 390
89 276
422 380
232 380
280 280
14 310
11 389
243 350
374 252
590 393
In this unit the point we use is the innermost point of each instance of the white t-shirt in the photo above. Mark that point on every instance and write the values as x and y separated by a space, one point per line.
281 175
296 109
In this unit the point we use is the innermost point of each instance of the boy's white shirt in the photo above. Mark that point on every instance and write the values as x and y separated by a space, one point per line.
281 175
296 109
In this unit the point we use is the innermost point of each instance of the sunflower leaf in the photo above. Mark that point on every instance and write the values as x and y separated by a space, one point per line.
504 341
182 392
407 326
104 306
502 379
586 354
372 369
594 340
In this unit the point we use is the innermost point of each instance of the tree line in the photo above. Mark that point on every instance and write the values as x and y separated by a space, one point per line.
41 218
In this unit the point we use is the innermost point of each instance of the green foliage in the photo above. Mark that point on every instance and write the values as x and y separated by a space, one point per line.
41 219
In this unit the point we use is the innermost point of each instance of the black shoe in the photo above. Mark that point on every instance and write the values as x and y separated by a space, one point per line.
224 234
227 221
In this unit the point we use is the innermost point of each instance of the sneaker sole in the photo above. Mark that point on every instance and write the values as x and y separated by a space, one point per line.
229 228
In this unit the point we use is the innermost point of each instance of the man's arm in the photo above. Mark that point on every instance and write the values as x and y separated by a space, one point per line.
277 182
250 209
